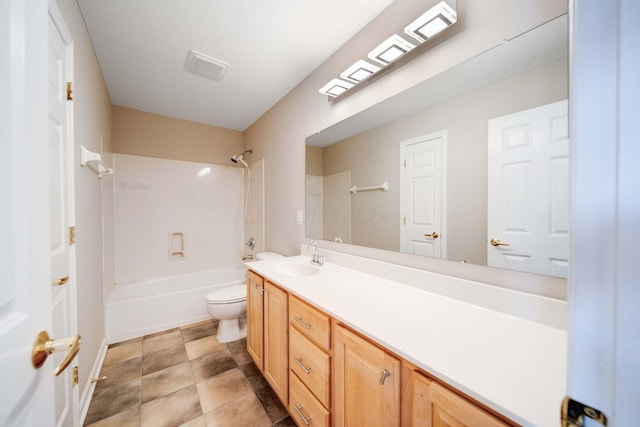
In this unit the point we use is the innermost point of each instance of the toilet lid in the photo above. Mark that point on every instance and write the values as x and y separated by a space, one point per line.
228 294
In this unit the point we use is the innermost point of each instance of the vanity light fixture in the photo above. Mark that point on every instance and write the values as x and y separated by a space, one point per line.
360 71
432 22
335 87
390 50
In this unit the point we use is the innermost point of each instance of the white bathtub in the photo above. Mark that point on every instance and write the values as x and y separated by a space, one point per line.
139 308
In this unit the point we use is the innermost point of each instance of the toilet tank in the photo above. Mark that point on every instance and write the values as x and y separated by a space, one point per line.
268 256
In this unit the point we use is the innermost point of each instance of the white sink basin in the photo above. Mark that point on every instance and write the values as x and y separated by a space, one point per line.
295 268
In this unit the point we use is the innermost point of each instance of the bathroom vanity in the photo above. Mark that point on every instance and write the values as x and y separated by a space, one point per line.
347 346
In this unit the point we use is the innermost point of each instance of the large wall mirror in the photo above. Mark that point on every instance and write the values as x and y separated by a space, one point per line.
471 165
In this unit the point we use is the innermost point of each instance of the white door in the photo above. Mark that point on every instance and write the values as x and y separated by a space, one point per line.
423 195
528 220
61 211
336 207
26 393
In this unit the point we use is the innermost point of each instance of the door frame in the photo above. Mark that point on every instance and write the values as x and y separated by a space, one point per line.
604 340
56 17
444 235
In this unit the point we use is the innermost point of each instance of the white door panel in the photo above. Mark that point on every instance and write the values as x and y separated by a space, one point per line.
423 210
26 393
531 216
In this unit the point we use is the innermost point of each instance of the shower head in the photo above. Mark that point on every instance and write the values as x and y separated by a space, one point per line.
236 159
240 158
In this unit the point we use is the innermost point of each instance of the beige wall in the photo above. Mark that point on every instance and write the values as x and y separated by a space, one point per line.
279 135
313 159
152 135
92 124
374 156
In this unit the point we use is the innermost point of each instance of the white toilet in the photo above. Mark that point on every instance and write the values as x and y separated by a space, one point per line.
229 306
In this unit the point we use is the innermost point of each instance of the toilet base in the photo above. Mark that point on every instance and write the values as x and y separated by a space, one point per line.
231 330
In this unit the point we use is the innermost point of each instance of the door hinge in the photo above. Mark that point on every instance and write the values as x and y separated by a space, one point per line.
74 376
72 235
405 163
404 220
573 414
69 91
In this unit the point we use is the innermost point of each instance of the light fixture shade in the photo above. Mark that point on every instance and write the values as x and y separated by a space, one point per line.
359 71
390 50
432 22
335 87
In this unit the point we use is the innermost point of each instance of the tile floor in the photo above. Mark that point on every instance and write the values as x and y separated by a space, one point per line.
183 377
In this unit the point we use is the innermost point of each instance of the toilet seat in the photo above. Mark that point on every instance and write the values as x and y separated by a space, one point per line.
228 295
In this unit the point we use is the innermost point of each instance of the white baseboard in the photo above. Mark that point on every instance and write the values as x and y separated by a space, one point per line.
87 394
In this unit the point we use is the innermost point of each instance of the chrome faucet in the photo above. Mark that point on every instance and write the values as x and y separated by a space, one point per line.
315 258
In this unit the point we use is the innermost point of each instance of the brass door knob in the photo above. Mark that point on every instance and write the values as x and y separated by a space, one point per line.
496 242
44 346
433 235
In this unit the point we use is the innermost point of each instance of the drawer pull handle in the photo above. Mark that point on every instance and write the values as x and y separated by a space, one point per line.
306 420
302 322
384 376
299 362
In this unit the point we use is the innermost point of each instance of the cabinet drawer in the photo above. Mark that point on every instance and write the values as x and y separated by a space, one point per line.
310 364
304 407
312 323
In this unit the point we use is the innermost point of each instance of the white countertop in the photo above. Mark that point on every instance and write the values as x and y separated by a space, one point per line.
513 365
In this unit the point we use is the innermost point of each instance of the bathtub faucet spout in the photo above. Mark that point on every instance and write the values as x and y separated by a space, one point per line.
246 257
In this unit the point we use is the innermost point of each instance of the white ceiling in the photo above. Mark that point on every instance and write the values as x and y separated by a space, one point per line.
272 46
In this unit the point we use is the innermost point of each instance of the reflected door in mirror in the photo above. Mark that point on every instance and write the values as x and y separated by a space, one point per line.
528 217
422 190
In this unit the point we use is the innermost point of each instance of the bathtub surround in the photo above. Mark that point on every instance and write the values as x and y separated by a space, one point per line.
174 232
156 198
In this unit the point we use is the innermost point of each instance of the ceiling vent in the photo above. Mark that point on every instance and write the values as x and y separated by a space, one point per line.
205 66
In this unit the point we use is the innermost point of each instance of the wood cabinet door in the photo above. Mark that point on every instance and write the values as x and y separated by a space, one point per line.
420 404
366 383
448 409
255 318
276 342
